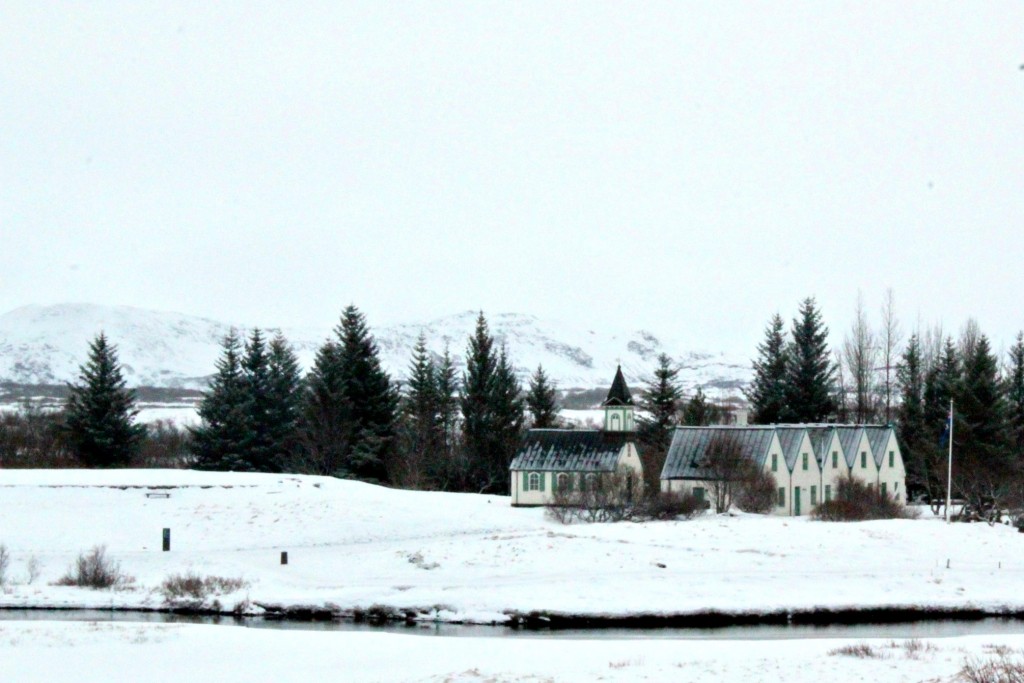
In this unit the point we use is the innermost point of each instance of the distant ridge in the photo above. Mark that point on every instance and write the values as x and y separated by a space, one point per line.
46 344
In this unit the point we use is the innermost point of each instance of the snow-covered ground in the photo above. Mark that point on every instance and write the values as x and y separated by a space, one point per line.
472 557
102 652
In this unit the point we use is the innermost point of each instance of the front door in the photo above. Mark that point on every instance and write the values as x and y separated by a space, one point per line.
796 501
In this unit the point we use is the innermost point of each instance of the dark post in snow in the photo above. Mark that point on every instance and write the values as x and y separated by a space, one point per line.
167 540
284 557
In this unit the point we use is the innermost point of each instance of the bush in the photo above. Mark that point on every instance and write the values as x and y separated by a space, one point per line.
999 669
607 497
668 505
192 586
95 570
855 501
756 492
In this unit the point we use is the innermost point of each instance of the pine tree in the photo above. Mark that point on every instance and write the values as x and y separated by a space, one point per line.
767 392
659 413
810 373
285 412
258 448
326 426
982 408
419 433
475 401
508 410
699 412
911 428
217 442
450 470
372 397
1015 396
100 411
541 401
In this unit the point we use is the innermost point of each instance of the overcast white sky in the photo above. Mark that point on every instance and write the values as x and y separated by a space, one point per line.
685 167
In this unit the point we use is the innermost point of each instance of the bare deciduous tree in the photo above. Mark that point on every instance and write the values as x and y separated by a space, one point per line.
860 356
891 338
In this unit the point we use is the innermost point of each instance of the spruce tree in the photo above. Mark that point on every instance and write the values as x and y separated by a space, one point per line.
258 448
659 413
100 412
911 427
541 401
326 425
809 392
285 385
449 472
1015 396
699 412
372 398
981 407
217 443
419 433
767 392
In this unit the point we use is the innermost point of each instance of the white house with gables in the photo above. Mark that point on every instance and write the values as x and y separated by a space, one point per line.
807 461
570 459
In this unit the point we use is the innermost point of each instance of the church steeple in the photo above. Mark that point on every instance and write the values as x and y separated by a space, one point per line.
618 407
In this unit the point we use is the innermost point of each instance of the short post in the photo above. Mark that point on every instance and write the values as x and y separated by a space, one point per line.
284 557
167 540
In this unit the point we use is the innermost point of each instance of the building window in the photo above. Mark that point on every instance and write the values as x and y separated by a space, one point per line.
805 461
563 482
895 486
814 495
591 482
782 496
835 459
775 462
863 460
881 487
534 482
698 493
892 458
828 492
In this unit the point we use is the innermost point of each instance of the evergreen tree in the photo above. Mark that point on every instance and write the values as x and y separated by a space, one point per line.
419 433
767 392
258 448
217 442
508 409
326 426
659 413
1015 396
809 391
100 411
286 392
912 428
372 398
450 470
981 408
541 402
699 412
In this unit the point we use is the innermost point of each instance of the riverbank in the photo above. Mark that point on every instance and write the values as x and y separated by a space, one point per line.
100 652
362 551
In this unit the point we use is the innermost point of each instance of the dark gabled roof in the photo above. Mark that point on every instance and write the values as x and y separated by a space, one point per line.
619 394
570 450
690 445
821 438
878 437
790 438
849 439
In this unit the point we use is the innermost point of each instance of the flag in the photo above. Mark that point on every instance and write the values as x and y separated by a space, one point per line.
944 439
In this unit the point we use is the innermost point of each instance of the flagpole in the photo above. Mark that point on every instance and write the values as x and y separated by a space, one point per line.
949 472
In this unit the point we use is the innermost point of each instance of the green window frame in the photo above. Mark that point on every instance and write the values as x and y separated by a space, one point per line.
835 459
805 461
814 495
535 482
881 487
863 460
775 462
892 458
782 496
828 492
698 493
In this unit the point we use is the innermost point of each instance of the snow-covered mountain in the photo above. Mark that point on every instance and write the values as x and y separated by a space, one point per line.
46 345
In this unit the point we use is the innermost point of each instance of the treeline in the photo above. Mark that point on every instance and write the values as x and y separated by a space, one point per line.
880 376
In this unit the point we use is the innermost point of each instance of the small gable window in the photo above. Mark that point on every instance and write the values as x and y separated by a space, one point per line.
805 461
775 462
863 460
892 458
835 459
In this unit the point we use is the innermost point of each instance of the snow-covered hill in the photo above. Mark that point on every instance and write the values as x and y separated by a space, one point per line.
46 344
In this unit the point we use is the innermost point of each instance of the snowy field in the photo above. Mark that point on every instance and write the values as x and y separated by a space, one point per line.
102 652
473 558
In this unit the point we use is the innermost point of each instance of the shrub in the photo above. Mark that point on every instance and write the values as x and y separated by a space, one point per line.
192 586
756 492
855 501
671 505
604 497
999 669
860 650
95 570
32 569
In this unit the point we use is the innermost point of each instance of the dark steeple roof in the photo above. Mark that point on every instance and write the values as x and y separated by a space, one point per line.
619 394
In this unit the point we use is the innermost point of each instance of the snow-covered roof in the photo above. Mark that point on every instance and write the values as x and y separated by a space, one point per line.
690 446
570 450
